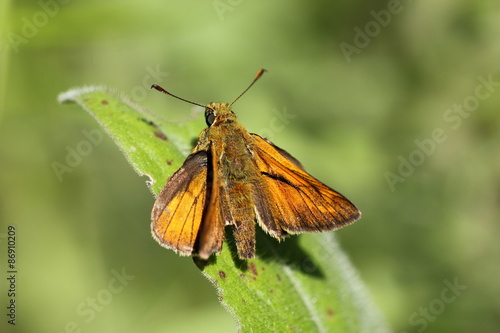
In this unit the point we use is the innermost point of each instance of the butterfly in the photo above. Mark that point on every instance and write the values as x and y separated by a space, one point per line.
239 179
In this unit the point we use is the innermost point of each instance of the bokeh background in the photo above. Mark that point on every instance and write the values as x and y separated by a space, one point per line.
386 101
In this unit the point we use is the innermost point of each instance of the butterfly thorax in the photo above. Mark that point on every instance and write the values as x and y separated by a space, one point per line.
230 149
228 140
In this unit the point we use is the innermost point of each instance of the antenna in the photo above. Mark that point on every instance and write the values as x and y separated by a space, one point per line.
257 76
159 88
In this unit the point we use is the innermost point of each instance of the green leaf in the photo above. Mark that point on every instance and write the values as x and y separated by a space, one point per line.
152 146
304 284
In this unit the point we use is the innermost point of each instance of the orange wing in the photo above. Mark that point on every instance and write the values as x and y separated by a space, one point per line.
211 232
179 208
289 200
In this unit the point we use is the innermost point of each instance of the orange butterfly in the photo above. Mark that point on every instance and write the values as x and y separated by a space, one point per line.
238 178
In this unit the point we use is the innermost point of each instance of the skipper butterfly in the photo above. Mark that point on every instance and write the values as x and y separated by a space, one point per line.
237 178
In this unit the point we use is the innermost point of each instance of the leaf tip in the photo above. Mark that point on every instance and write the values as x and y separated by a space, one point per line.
72 94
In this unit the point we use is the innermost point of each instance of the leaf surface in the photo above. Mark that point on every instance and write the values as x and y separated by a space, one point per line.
304 284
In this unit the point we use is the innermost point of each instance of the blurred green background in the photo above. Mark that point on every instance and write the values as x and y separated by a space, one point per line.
365 85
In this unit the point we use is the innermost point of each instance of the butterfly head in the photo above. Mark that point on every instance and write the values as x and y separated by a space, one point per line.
217 112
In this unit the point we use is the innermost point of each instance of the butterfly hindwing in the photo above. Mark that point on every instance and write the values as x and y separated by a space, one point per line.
211 233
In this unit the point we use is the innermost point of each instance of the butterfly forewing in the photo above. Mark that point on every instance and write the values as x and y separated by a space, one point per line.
300 203
179 209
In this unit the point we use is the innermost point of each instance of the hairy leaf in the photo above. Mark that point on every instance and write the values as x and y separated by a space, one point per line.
304 284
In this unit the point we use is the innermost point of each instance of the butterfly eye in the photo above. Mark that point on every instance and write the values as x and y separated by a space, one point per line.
209 117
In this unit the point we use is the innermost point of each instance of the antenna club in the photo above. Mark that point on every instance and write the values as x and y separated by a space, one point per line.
159 88
259 73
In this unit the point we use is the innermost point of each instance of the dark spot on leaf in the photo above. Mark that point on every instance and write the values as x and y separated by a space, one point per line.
242 275
149 122
221 298
104 102
278 277
222 274
253 269
271 291
160 135
169 162
329 313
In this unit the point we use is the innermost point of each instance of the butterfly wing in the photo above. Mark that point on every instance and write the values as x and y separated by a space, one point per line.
211 232
179 208
300 202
